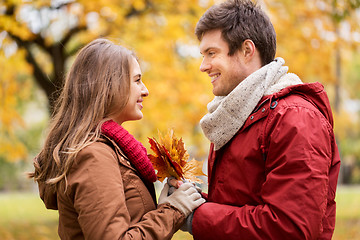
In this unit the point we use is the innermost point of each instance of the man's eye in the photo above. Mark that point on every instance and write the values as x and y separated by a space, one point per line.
211 54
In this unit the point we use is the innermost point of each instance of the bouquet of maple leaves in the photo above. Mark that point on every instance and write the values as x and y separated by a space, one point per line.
171 159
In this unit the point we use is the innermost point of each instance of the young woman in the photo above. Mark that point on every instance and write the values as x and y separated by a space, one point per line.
91 169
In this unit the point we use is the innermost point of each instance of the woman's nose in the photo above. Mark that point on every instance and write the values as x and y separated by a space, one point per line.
144 91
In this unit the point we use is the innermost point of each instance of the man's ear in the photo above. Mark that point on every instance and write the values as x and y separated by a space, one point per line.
248 49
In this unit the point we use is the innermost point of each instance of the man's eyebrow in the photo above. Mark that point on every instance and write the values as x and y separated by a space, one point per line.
207 50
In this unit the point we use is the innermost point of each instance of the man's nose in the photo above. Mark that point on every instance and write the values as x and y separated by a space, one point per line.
205 66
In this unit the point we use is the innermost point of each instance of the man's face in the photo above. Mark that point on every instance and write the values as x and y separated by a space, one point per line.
225 71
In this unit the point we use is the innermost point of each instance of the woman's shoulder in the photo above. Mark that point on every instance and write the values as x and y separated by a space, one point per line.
98 149
96 146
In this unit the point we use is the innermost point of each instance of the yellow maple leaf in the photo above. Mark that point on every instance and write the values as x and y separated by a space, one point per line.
170 158
192 169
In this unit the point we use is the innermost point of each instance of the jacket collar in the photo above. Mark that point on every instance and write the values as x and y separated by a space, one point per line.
123 159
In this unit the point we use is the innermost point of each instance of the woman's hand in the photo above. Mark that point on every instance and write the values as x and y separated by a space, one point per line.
186 198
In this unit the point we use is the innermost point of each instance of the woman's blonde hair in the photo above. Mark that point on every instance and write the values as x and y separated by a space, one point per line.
96 88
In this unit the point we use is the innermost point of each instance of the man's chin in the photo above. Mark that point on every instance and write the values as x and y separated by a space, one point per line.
217 93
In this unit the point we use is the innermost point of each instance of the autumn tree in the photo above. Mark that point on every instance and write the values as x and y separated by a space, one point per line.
39 39
45 36
50 32
316 38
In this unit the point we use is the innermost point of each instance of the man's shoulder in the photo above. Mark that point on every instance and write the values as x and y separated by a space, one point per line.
294 100
307 95
298 108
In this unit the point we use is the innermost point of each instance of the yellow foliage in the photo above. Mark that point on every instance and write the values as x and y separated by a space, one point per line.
139 4
10 120
11 149
178 91
13 26
306 37
158 32
345 125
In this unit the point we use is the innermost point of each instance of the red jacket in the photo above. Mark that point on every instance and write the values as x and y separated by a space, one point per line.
276 178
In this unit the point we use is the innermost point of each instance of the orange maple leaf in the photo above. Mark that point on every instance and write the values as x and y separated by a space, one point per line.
171 159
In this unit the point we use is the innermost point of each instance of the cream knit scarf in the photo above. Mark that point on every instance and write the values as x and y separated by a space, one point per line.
228 113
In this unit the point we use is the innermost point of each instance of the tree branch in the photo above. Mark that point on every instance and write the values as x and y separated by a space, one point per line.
134 12
40 77
71 33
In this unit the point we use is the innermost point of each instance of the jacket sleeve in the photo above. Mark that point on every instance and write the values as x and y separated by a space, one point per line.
99 200
295 189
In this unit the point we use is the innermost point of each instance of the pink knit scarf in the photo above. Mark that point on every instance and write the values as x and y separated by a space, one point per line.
132 148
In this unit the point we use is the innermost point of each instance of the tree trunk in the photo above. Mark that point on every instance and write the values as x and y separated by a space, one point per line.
337 97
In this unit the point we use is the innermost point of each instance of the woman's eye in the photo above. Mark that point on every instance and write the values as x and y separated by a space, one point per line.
211 54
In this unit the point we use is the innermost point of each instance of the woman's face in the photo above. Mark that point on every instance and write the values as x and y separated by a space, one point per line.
138 91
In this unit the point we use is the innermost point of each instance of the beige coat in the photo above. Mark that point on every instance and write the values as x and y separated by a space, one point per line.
106 199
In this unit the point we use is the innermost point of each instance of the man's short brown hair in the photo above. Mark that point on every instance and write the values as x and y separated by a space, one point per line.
239 20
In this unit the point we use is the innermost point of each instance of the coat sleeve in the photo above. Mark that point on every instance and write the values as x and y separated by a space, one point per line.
295 190
99 200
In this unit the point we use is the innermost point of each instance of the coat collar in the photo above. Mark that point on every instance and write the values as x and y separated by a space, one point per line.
122 158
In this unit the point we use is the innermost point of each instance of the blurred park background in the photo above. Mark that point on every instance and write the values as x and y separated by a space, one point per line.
319 40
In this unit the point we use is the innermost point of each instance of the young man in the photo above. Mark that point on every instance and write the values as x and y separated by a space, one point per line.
273 163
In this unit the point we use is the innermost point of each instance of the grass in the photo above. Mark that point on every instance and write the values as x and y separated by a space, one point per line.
348 213
24 217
